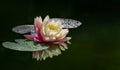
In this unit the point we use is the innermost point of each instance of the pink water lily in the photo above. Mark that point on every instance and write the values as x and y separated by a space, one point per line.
49 31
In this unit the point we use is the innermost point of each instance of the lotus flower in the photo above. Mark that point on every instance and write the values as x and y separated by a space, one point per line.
48 31
45 38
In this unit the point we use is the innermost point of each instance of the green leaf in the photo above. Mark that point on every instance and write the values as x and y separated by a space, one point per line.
25 45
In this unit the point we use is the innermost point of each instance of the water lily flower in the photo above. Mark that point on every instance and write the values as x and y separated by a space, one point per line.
46 38
48 31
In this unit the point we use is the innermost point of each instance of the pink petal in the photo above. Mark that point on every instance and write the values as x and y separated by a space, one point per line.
30 37
61 41
37 26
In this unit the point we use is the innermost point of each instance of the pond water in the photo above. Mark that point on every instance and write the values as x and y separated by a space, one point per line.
95 44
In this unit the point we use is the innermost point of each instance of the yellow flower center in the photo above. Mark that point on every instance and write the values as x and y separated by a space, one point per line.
52 27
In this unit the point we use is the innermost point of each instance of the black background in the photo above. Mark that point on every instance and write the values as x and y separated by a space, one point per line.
95 44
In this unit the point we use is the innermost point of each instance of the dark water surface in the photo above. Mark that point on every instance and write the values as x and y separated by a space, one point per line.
95 44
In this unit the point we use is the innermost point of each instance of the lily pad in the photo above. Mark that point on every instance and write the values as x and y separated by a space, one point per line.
24 45
68 23
22 29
